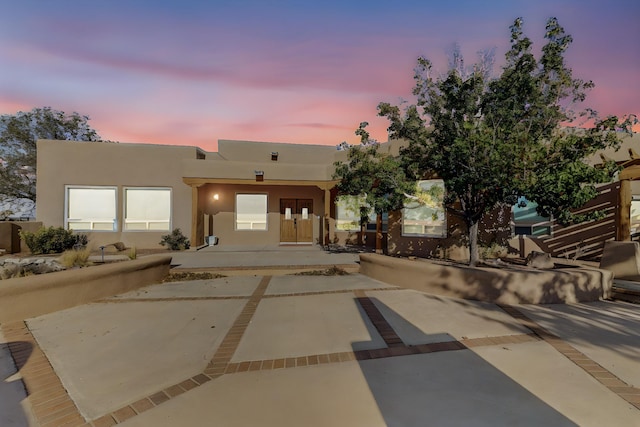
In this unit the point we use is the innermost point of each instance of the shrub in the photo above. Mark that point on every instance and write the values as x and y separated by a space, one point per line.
13 272
76 258
175 241
185 276
50 240
493 251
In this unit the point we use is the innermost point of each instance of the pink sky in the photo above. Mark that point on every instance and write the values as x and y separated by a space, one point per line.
193 72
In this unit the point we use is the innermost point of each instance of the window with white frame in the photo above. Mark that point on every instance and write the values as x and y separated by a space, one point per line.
91 208
147 209
425 216
251 212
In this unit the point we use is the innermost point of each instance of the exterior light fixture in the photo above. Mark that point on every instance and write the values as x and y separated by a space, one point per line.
274 156
216 196
259 175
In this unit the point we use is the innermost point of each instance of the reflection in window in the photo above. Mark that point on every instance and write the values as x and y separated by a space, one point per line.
348 212
91 208
426 215
251 211
526 220
147 209
635 216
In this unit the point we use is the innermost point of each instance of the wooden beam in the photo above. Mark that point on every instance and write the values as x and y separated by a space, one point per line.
623 229
630 173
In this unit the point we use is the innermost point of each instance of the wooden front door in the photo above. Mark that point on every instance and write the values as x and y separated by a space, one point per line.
296 221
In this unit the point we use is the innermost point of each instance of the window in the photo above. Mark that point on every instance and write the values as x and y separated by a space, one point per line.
348 212
635 216
91 208
526 220
425 216
147 209
251 211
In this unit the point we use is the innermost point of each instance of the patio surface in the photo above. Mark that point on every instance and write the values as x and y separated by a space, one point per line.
272 350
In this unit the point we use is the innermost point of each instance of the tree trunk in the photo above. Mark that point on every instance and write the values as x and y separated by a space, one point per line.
473 243
379 233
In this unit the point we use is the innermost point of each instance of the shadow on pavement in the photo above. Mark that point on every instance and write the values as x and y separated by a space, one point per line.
12 390
450 388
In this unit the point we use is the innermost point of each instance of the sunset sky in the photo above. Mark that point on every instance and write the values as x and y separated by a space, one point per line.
194 71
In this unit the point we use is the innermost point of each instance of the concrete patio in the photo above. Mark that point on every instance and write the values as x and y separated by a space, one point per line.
281 350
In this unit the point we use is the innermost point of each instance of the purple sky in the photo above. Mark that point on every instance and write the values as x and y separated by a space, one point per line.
192 72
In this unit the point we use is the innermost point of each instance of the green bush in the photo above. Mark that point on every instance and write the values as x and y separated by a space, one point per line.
175 241
50 240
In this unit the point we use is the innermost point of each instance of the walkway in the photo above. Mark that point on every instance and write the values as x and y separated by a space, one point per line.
320 351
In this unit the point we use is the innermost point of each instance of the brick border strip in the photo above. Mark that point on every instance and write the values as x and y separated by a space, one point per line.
230 342
601 374
49 400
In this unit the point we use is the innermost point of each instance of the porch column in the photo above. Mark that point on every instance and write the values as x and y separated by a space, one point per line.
327 213
197 218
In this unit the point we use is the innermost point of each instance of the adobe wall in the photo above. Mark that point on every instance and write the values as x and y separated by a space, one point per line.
31 296
63 163
509 285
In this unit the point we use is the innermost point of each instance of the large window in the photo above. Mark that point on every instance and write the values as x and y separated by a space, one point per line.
348 214
147 209
251 211
526 220
425 216
91 208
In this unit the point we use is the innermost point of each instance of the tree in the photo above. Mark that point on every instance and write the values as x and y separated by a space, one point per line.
494 139
18 135
375 173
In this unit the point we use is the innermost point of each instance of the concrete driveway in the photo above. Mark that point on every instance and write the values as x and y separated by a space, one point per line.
320 351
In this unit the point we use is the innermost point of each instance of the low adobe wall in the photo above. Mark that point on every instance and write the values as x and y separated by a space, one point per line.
508 285
31 296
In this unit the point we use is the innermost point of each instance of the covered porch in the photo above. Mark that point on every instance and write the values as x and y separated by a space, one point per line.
259 213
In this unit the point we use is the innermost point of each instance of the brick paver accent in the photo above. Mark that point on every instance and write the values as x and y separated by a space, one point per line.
49 400
604 376
379 322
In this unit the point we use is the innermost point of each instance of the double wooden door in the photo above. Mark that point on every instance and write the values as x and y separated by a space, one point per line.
296 223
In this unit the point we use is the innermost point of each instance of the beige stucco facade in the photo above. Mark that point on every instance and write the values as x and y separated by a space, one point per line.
204 188
65 163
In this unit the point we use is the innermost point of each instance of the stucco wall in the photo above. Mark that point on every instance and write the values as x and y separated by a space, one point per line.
494 228
63 163
25 297
510 285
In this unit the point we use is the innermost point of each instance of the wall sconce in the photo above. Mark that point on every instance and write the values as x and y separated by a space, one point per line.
259 175
216 196
274 156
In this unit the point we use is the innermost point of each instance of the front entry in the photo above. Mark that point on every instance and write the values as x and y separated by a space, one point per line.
296 223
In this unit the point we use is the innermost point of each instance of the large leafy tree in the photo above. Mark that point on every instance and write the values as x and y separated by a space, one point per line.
376 174
493 139
18 135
